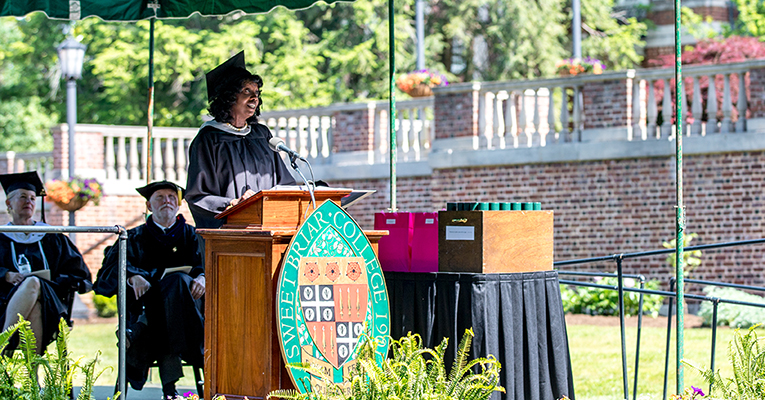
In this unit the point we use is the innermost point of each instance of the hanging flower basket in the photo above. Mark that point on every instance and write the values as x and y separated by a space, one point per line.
419 83
420 90
73 205
575 66
75 193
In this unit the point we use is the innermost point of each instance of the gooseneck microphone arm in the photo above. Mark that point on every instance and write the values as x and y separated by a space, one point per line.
277 144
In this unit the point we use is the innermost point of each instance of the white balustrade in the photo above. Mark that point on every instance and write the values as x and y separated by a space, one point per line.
711 106
741 103
510 115
41 162
126 152
696 109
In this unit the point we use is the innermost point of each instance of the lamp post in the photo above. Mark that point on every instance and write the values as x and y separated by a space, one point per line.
71 54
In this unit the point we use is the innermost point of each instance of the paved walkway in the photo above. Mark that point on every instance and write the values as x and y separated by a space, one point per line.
148 392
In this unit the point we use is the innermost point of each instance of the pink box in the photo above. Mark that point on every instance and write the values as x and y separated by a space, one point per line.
395 251
425 242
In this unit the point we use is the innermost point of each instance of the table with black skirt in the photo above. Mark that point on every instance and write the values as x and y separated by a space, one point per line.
517 317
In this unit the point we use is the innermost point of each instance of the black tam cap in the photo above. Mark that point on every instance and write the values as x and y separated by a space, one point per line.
223 74
149 189
24 180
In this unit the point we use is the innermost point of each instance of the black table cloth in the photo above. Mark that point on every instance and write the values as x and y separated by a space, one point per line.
517 317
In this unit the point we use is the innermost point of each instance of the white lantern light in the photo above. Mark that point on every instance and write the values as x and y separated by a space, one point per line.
71 54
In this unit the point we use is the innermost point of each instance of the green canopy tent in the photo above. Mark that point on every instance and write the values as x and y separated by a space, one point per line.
134 10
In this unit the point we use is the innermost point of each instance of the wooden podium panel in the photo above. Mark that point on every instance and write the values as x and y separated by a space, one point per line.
242 352
277 208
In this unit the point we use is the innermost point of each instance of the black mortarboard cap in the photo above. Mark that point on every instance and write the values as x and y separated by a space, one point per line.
225 73
149 189
24 180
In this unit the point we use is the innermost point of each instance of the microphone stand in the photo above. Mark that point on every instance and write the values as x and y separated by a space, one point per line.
308 184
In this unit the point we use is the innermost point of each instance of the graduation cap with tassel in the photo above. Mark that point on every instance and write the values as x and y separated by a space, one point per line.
25 180
223 74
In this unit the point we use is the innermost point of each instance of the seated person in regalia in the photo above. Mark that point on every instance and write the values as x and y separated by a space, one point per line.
38 271
166 285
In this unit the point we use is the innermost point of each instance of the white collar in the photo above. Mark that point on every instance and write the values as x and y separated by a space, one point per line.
26 238
228 128
164 229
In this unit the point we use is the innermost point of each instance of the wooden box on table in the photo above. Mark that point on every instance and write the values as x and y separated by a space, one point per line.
495 241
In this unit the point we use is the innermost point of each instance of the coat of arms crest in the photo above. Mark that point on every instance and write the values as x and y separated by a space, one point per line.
330 292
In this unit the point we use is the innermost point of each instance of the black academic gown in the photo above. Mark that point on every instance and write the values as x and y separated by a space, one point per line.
222 166
175 319
66 269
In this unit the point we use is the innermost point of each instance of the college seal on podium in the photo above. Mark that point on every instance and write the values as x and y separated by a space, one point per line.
331 290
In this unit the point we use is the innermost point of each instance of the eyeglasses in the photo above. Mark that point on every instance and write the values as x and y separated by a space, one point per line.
248 92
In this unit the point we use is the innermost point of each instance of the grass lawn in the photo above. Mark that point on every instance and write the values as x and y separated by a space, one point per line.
595 358
88 339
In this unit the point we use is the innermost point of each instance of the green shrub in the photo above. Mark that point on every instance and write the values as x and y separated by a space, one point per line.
596 301
413 372
19 378
106 307
748 361
735 315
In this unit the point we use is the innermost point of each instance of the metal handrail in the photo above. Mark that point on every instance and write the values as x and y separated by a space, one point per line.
618 258
122 232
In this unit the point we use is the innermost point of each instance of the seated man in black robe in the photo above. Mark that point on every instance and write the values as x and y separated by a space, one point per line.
166 285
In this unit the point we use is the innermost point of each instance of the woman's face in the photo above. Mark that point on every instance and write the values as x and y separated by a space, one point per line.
247 101
21 205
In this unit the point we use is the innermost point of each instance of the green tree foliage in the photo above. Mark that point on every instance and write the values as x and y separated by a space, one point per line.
313 57
526 39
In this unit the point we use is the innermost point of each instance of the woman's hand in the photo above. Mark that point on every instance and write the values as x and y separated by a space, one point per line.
140 285
249 193
198 287
14 278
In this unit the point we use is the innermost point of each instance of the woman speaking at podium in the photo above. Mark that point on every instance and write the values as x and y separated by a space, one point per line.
229 159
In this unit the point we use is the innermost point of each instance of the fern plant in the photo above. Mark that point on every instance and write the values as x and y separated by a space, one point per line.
747 360
19 376
413 372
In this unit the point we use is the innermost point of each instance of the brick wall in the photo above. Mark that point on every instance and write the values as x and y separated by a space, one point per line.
667 17
613 206
653 53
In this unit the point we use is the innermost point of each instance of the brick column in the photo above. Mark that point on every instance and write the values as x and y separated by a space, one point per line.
608 111
89 151
456 110
7 162
354 130
757 93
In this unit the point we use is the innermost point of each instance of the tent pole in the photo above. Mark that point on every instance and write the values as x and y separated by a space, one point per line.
150 113
680 208
392 110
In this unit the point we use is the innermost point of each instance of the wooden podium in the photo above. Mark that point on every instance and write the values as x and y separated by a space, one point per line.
242 263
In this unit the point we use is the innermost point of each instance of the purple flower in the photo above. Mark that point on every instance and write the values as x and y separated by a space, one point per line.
697 392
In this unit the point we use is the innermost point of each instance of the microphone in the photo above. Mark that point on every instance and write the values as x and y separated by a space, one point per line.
277 144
